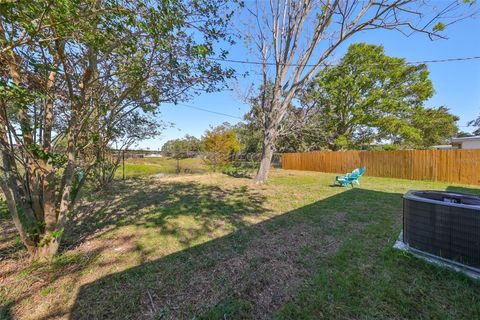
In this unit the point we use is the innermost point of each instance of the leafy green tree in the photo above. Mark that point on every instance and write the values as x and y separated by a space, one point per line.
79 76
249 137
368 96
220 143
251 133
436 126
463 134
187 144
106 154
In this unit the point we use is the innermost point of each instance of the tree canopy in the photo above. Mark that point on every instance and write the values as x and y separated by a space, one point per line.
80 77
368 96
294 40
435 125
220 143
187 144
475 123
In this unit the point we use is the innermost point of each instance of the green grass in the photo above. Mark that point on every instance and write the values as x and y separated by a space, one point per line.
138 170
213 247
142 167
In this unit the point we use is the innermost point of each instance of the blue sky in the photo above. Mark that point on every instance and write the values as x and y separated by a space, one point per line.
457 84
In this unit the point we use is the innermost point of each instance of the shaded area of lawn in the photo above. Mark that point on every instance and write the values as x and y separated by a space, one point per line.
330 259
158 205
7 232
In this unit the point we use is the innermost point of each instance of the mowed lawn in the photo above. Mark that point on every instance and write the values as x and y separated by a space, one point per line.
209 246
142 167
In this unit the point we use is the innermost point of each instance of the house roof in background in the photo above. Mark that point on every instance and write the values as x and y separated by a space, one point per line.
463 139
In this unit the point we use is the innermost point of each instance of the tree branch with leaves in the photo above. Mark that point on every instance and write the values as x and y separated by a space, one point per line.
77 77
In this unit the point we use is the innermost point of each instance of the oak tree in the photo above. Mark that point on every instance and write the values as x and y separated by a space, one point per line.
368 96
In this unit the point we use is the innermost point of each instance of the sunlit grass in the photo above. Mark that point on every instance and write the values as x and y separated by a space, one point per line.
141 167
211 245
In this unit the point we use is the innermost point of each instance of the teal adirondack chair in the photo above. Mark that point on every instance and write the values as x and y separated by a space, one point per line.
355 177
350 178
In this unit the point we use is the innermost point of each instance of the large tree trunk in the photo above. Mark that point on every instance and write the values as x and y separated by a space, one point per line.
46 251
273 117
269 140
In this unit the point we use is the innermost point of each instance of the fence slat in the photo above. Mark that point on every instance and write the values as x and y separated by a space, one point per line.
455 166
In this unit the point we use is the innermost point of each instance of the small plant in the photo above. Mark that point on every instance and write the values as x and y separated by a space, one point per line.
240 169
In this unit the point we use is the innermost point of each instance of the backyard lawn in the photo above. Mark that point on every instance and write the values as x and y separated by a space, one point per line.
141 167
210 246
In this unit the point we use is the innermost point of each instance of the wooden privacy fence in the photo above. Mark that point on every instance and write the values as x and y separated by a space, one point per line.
455 166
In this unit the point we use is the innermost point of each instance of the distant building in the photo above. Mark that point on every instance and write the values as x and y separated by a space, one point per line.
466 142
472 142
154 155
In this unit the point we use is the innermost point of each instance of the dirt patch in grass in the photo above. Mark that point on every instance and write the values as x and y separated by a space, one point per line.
267 274
267 267
276 271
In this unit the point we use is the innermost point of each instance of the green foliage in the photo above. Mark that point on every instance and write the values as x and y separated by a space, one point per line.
4 214
240 169
187 144
57 160
249 136
251 133
437 125
79 78
220 144
390 147
440 26
369 97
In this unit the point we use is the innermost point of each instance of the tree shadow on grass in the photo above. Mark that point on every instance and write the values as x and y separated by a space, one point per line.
255 271
144 203
468 190
250 273
10 243
239 174
153 203
330 259
40 276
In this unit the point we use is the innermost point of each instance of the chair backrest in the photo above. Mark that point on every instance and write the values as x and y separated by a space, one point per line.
362 170
357 173
354 174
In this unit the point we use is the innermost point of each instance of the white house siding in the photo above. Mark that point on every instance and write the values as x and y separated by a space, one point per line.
474 144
